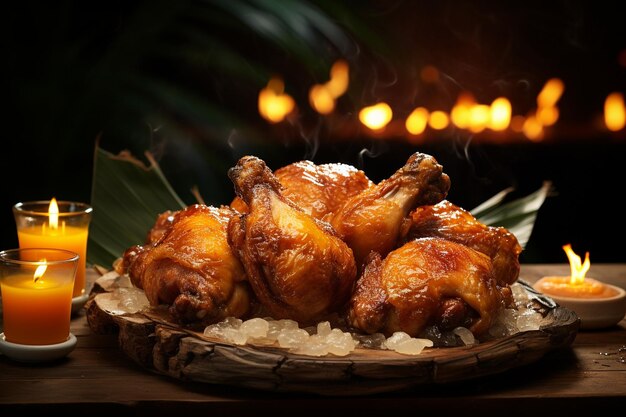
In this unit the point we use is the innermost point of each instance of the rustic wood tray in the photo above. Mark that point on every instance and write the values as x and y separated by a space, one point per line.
163 347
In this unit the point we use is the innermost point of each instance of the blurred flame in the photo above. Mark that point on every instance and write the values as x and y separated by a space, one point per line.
53 214
467 114
614 112
417 121
322 96
339 78
532 128
500 114
548 116
274 104
547 113
460 113
377 116
438 120
578 269
479 117
550 93
41 269
321 99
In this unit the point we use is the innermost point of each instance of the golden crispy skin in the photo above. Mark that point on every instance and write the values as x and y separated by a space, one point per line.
372 220
296 265
192 268
162 224
424 282
451 222
319 190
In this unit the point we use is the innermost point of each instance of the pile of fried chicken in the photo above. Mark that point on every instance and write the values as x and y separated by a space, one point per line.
308 242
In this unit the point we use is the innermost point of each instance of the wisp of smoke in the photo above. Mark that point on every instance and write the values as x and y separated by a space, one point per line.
377 149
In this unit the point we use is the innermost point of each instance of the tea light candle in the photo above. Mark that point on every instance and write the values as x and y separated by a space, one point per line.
36 287
61 225
596 303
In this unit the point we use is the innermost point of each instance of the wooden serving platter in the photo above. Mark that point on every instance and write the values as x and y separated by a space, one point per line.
159 345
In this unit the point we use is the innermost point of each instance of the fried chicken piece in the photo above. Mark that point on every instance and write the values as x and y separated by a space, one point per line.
451 222
319 190
372 220
192 268
424 282
162 224
296 265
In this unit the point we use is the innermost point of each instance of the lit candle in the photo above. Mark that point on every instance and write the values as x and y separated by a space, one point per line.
61 225
36 287
597 304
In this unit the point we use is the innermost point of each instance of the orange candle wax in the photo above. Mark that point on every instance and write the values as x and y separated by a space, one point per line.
69 238
597 304
36 312
563 287
59 225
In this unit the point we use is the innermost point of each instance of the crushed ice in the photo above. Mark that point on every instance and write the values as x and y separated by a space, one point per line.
322 339
130 299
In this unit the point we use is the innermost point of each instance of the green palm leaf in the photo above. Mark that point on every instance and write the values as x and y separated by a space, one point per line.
518 216
127 196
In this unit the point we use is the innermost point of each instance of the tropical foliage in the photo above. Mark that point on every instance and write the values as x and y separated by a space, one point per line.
128 196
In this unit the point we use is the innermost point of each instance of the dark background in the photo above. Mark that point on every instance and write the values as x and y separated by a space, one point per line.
78 70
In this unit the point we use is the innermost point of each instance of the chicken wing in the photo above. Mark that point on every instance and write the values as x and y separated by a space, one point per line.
162 224
451 222
319 190
296 265
424 282
192 268
372 220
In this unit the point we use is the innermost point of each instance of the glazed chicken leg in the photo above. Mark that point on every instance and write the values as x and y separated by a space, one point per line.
296 265
424 282
372 220
319 190
192 268
451 222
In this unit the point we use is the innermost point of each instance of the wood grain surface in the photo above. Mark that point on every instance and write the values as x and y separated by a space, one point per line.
97 378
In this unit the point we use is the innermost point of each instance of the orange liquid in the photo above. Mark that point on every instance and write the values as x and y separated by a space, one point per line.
560 286
65 237
36 313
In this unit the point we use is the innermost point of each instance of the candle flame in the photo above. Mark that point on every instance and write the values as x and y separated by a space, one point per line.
417 121
578 269
339 78
550 93
274 104
532 128
614 112
53 212
376 116
41 269
322 97
460 113
500 114
479 117
438 120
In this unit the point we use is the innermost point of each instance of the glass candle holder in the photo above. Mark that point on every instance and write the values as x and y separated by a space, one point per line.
36 287
58 225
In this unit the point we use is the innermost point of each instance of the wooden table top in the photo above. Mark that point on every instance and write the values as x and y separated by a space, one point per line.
98 378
